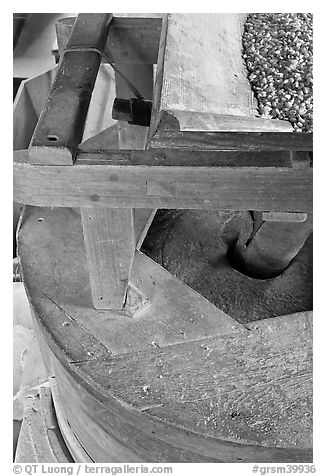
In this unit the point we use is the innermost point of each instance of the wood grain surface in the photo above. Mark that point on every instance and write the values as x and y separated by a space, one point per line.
244 188
110 245
203 98
213 392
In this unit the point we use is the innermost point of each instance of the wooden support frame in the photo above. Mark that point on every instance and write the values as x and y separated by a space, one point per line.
232 165
201 345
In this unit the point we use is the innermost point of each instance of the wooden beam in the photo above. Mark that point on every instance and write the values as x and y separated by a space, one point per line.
61 124
110 246
95 151
243 188
244 141
130 40
208 102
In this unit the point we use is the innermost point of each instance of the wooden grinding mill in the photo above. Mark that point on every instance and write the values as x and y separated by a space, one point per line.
142 367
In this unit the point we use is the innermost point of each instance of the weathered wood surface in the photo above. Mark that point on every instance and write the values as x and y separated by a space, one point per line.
74 446
243 188
61 124
99 111
130 40
96 151
176 312
143 388
203 98
40 440
110 245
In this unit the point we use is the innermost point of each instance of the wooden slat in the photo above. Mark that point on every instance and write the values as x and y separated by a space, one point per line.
170 136
243 188
203 98
76 449
61 124
97 151
131 40
203 70
110 246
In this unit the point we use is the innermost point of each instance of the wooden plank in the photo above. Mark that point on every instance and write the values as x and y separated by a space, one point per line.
61 124
243 188
110 245
76 449
88 154
92 412
277 141
202 67
209 102
131 40
253 389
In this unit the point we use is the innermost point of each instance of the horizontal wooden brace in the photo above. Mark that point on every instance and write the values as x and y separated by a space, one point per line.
181 157
141 186
277 141
130 40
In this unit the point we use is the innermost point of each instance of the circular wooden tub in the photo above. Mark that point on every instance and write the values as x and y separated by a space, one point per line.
179 381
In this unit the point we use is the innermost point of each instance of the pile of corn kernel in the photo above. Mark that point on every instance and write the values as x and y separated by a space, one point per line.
278 51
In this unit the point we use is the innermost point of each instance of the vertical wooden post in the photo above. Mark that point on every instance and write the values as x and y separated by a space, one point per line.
110 247
135 137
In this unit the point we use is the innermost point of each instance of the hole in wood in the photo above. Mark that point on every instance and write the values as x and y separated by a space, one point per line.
52 138
95 197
